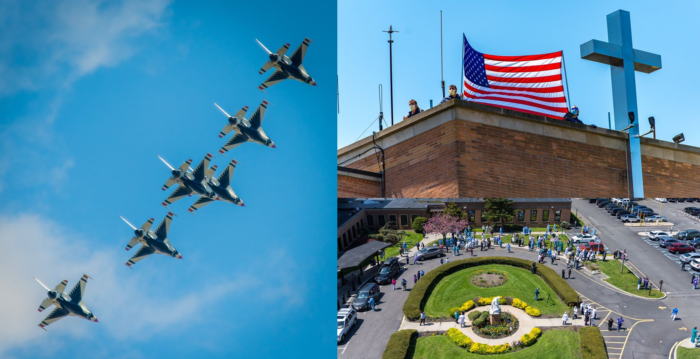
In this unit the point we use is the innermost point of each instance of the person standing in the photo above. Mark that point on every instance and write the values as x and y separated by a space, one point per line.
595 313
422 317
447 260
413 105
585 319
371 303
674 313
619 323
639 284
592 316
508 246
564 319
393 284
441 264
537 293
610 323
695 283
415 280
456 316
415 258
694 335
461 320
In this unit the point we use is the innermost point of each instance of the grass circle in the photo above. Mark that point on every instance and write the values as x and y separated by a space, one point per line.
489 278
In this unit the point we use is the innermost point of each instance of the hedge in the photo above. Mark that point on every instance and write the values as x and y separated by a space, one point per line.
401 345
421 291
530 338
592 345
462 340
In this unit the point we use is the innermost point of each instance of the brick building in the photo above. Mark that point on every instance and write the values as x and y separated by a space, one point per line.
357 216
464 149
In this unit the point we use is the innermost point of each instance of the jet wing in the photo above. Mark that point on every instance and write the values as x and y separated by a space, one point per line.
61 287
147 226
45 304
76 294
177 195
298 55
55 315
142 253
277 76
257 117
201 202
132 242
164 227
235 141
210 172
201 168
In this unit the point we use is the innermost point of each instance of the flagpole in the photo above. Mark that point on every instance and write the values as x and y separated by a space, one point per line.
461 88
568 97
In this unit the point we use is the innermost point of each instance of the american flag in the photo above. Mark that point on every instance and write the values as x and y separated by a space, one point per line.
529 83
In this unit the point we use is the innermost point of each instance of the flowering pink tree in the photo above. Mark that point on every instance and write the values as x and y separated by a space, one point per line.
442 225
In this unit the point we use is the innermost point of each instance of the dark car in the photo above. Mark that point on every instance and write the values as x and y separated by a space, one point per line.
599 200
389 269
615 211
680 248
613 207
682 200
592 200
369 290
622 213
691 210
672 200
665 241
429 252
694 242
601 204
687 234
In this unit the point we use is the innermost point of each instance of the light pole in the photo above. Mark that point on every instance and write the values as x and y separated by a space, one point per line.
391 76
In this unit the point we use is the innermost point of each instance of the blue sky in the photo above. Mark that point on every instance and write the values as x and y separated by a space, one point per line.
92 92
512 28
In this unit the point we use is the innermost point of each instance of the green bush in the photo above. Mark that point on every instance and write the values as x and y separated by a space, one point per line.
481 320
592 345
473 315
421 291
565 225
418 224
401 345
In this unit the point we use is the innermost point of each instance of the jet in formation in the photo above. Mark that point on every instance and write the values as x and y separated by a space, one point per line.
286 67
71 304
201 182
245 130
152 242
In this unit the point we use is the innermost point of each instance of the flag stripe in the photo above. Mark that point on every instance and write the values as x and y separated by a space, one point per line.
526 86
538 95
556 102
523 74
523 58
523 68
522 63
533 79
522 108
512 100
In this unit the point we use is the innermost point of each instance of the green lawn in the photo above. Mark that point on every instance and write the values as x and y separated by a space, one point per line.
626 280
687 353
553 344
411 238
455 289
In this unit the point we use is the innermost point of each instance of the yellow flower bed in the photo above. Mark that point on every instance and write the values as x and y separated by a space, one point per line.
534 312
488 300
531 338
459 338
519 303
467 306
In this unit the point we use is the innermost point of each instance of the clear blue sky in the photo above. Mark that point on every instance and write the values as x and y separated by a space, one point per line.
512 28
91 93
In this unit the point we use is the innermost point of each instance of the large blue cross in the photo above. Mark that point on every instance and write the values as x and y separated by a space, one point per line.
624 60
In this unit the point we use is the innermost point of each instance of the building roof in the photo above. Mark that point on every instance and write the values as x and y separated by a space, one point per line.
354 257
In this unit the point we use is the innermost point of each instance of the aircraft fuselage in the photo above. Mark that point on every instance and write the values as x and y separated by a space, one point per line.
159 245
197 187
74 309
294 72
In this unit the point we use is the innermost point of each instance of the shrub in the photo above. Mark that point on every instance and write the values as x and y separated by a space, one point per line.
418 224
533 312
467 306
478 348
451 312
592 345
531 338
401 345
459 338
519 303
421 291
481 320
473 315
488 300
565 225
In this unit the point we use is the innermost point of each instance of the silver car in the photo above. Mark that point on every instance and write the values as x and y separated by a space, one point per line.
630 218
429 252
584 238
654 235
687 257
656 218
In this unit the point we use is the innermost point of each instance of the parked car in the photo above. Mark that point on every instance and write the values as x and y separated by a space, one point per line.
654 235
369 290
615 211
389 269
429 252
655 218
584 238
346 320
687 234
694 242
630 218
687 257
622 213
681 200
672 200
695 264
602 203
593 246
691 210
690 200
599 200
666 241
662 200
676 248
592 200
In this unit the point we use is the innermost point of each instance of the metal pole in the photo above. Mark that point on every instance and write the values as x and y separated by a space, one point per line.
442 79
391 73
609 123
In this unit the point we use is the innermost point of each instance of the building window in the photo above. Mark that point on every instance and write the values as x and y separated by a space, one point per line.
483 217
370 220
413 217
381 219
557 215
521 216
545 216
404 220
533 215
392 218
471 216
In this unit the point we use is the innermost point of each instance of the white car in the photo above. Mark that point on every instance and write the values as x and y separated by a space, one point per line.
655 218
584 238
695 264
662 200
687 257
631 218
346 320
654 235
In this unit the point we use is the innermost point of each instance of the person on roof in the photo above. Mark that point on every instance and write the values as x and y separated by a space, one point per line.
453 94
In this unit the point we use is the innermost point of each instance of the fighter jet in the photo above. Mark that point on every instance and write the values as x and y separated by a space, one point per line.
66 305
189 183
153 242
286 67
221 187
246 131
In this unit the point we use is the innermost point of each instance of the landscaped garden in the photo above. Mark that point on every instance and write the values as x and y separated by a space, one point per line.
626 280
411 238
688 353
457 288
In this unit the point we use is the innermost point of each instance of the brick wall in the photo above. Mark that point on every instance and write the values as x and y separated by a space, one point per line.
350 187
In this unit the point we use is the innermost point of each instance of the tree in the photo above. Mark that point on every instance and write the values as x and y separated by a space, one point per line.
442 225
453 210
498 210
418 224
388 235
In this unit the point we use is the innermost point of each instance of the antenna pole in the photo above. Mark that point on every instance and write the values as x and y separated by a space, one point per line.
442 78
391 74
